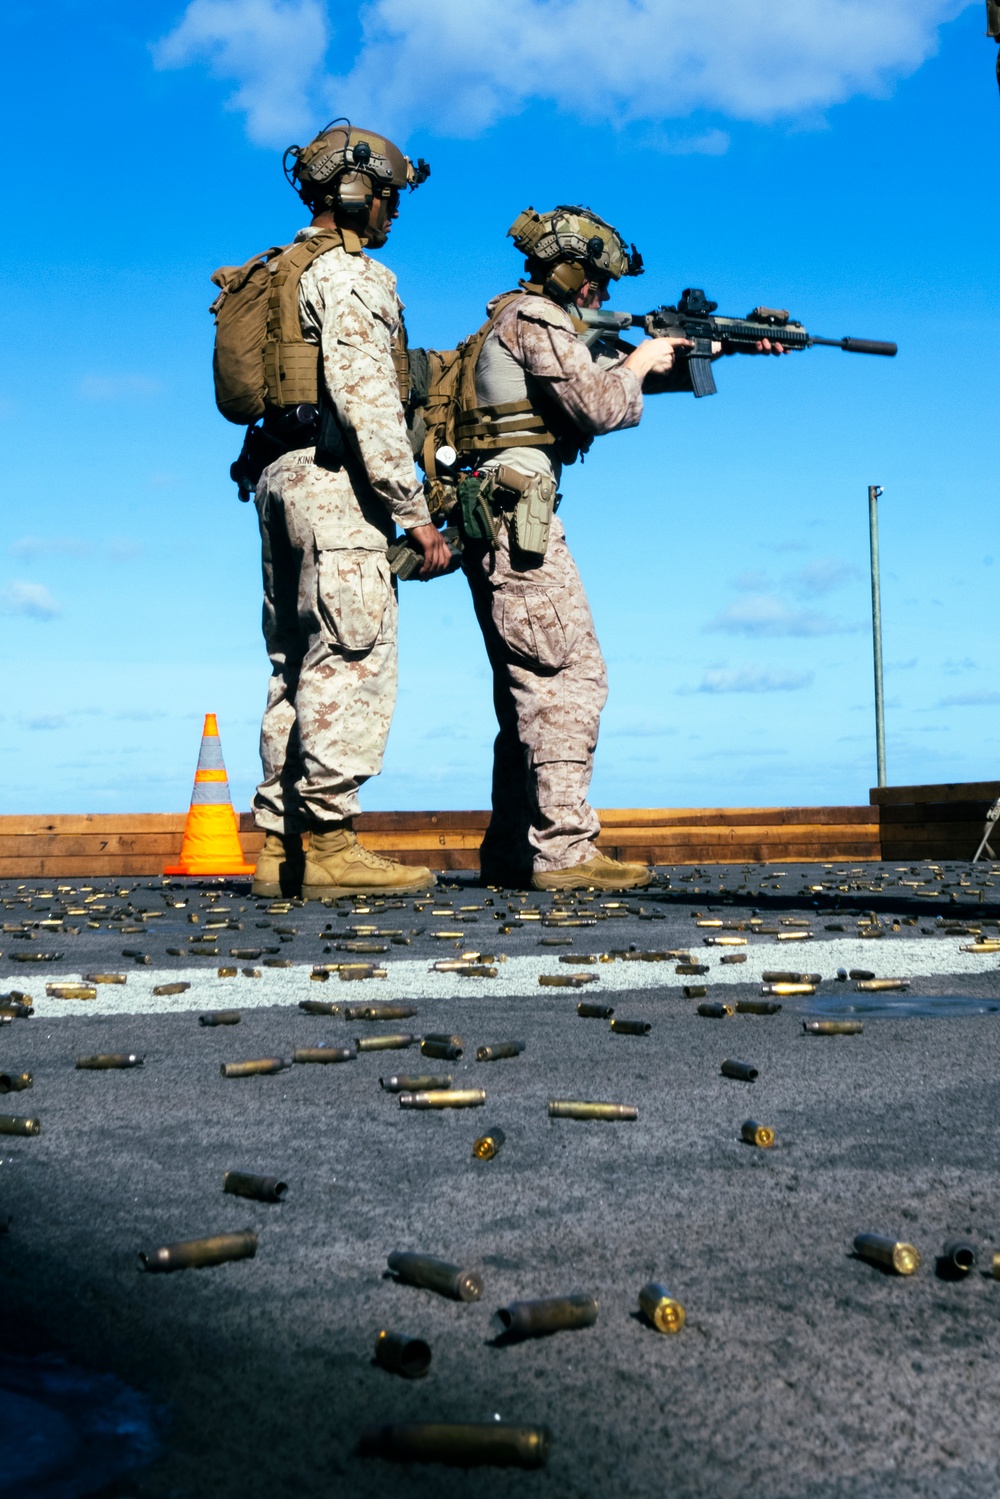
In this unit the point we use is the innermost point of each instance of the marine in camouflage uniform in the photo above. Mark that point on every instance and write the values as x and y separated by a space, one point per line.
330 608
549 677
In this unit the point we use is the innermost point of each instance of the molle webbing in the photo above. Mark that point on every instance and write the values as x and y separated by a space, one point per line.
291 366
490 429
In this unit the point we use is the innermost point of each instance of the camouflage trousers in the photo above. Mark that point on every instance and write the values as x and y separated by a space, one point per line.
330 631
549 686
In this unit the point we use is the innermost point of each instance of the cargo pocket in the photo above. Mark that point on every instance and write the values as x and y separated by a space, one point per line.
532 626
354 592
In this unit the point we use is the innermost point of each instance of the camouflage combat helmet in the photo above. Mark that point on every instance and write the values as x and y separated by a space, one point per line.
572 244
349 171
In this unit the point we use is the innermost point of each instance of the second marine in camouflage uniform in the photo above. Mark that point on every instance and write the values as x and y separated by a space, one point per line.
549 677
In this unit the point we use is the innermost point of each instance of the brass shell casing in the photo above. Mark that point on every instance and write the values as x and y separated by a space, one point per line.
444 1049
959 1255
757 1134
880 986
498 1052
324 1054
251 1069
260 1188
564 1108
402 1354
631 1027
486 1146
109 1061
532 1319
694 991
594 1012
996 1265
660 1309
436 1275
10 1124
757 1007
163 989
196 1254
379 1012
744 1072
894 1254
105 978
384 1043
724 941
15 1082
491 1444
220 1017
566 980
833 1027
780 976
415 1082
713 1011
225 973
441 1098
319 1006
70 991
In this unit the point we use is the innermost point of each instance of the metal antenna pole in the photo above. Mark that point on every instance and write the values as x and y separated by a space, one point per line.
874 490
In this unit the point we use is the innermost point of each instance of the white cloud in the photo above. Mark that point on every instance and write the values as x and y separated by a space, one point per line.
29 548
272 49
458 67
31 599
121 549
971 700
753 679
822 576
117 387
762 615
43 721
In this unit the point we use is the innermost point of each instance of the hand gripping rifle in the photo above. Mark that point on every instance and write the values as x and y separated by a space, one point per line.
693 318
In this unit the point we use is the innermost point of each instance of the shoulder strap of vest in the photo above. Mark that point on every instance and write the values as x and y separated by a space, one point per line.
283 324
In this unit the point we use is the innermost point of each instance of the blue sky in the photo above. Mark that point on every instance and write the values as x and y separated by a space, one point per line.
834 158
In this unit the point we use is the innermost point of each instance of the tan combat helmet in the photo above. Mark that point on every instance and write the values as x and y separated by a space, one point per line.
569 245
354 173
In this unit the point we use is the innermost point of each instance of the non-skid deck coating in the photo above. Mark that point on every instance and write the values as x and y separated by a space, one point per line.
801 1371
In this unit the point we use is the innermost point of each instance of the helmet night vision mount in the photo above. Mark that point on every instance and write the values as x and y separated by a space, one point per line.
351 172
572 245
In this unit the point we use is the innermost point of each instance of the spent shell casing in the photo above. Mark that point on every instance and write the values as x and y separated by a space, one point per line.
109 1061
694 991
163 989
260 1188
379 1012
570 1108
724 941
11 1124
497 1052
105 978
196 1254
782 976
894 1254
225 973
757 1134
384 1043
594 1012
631 1027
757 1007
733 957
744 1072
996 1265
446 1050
403 1354
485 1146
660 1309
303 1054
442 1098
833 1027
70 991
578 960
255 973
532 1319
715 1011
220 1017
880 986
249 1069
319 1007
794 936
491 1444
566 980
350 971
15 1082
786 989
959 1256
415 1082
436 1275
860 974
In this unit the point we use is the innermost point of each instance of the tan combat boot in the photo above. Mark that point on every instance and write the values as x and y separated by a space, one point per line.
279 866
599 873
336 864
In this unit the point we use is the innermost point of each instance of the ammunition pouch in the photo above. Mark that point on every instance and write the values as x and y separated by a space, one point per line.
475 510
527 502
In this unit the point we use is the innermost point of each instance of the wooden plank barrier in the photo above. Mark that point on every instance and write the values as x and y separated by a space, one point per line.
934 822
140 844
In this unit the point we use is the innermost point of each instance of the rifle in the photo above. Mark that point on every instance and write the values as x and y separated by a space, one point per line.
693 318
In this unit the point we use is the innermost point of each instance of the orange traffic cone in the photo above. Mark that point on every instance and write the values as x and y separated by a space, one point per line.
211 836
